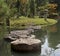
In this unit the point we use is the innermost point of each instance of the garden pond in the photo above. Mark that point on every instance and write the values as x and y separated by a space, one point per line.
50 43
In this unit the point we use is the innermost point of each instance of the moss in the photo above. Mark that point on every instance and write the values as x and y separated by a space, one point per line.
23 22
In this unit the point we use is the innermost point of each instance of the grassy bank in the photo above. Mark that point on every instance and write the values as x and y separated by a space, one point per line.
24 22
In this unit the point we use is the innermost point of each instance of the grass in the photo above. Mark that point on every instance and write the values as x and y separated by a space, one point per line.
24 22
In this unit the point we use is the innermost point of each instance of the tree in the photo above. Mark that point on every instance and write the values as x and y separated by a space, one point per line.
32 8
21 7
52 7
4 13
4 9
12 4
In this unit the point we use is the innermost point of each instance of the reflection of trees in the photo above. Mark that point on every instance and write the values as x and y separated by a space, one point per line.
54 38
57 52
53 29
26 54
4 48
38 33
58 26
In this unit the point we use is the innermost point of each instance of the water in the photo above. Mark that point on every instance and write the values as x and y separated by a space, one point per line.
50 44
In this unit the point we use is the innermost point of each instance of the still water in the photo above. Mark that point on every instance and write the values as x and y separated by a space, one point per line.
50 44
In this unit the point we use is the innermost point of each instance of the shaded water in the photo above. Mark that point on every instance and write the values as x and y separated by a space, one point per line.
50 44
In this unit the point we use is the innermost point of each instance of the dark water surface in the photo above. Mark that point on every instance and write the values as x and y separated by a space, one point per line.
50 44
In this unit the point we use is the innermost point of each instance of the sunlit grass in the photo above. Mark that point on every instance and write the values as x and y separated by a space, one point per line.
23 22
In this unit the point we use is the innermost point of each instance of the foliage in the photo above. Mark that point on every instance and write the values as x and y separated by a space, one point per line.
57 2
52 8
4 9
29 7
32 8
4 12
12 6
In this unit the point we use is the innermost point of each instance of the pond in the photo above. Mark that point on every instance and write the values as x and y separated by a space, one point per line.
50 44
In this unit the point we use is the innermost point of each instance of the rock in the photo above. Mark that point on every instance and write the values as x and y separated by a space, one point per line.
13 37
10 38
20 32
35 27
30 30
26 45
32 36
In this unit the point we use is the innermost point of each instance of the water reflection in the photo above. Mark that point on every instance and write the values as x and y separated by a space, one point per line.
56 52
50 45
46 50
26 54
53 28
5 48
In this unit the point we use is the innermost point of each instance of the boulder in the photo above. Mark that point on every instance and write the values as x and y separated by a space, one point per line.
10 38
26 45
20 32
17 34
34 27
13 37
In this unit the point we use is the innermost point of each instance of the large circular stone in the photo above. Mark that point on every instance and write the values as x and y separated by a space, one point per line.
26 45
